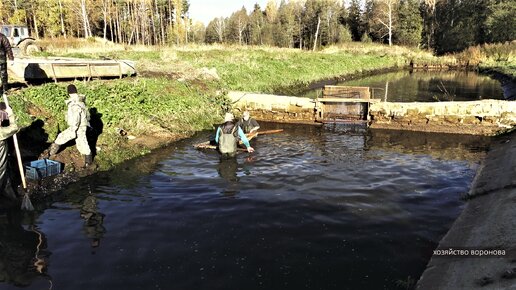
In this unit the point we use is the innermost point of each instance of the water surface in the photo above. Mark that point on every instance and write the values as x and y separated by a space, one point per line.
334 207
426 86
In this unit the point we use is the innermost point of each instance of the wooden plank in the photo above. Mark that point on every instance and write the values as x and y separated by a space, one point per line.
344 87
250 136
344 100
347 92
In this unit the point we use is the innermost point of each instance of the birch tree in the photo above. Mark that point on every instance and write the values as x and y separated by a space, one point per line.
385 16
85 19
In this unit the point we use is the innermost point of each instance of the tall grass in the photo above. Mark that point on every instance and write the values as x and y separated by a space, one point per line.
500 57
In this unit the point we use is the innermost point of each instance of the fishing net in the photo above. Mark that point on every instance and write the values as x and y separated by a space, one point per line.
26 203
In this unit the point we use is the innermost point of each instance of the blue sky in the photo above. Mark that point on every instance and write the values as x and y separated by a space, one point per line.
206 10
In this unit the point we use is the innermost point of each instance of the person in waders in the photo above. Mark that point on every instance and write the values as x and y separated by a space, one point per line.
227 137
248 124
77 118
8 128
6 52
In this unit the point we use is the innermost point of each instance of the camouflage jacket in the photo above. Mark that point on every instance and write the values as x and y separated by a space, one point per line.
5 49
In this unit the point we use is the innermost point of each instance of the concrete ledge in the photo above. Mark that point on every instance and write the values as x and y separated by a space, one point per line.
486 117
274 107
487 222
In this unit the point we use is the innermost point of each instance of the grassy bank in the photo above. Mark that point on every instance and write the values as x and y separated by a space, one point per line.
498 58
255 69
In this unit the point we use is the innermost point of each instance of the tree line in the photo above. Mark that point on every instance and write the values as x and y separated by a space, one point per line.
439 25
147 22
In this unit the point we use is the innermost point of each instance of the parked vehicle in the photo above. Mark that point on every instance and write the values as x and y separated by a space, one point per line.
19 37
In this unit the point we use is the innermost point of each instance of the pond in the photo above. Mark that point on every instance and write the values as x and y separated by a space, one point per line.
315 207
426 86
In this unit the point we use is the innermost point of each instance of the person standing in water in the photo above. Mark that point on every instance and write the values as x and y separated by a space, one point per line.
227 137
248 124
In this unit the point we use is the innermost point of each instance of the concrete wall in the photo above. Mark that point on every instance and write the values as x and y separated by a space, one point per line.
275 108
486 117
488 222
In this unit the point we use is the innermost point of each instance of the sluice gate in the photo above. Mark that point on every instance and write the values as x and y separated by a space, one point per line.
344 104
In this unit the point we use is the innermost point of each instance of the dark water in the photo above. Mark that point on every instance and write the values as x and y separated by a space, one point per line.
427 86
332 207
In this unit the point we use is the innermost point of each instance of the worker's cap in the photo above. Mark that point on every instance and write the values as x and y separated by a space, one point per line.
71 89
228 117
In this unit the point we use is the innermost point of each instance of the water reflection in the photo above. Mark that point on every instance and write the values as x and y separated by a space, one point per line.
427 86
93 220
23 251
227 169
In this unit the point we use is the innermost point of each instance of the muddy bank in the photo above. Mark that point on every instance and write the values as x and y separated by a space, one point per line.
486 229
508 82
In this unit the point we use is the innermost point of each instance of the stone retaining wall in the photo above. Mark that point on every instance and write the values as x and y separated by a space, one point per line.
486 117
275 108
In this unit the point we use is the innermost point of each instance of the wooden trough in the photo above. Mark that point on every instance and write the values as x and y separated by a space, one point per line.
40 69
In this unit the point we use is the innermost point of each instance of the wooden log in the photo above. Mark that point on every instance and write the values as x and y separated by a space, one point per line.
250 136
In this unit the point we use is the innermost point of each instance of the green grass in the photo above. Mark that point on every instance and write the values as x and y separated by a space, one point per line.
507 68
273 71
142 107
258 69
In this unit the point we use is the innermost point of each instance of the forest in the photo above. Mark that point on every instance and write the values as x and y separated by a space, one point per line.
440 26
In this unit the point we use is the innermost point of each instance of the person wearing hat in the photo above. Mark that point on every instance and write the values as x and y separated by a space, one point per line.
8 128
248 124
77 118
6 52
227 139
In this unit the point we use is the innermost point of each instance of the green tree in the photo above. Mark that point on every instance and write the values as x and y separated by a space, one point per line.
270 14
285 25
256 25
330 17
237 29
501 22
460 24
355 20
212 31
428 9
384 19
410 23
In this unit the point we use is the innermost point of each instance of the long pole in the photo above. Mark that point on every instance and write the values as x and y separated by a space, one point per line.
17 149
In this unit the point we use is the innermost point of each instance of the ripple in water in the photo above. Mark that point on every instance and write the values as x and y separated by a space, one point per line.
314 208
